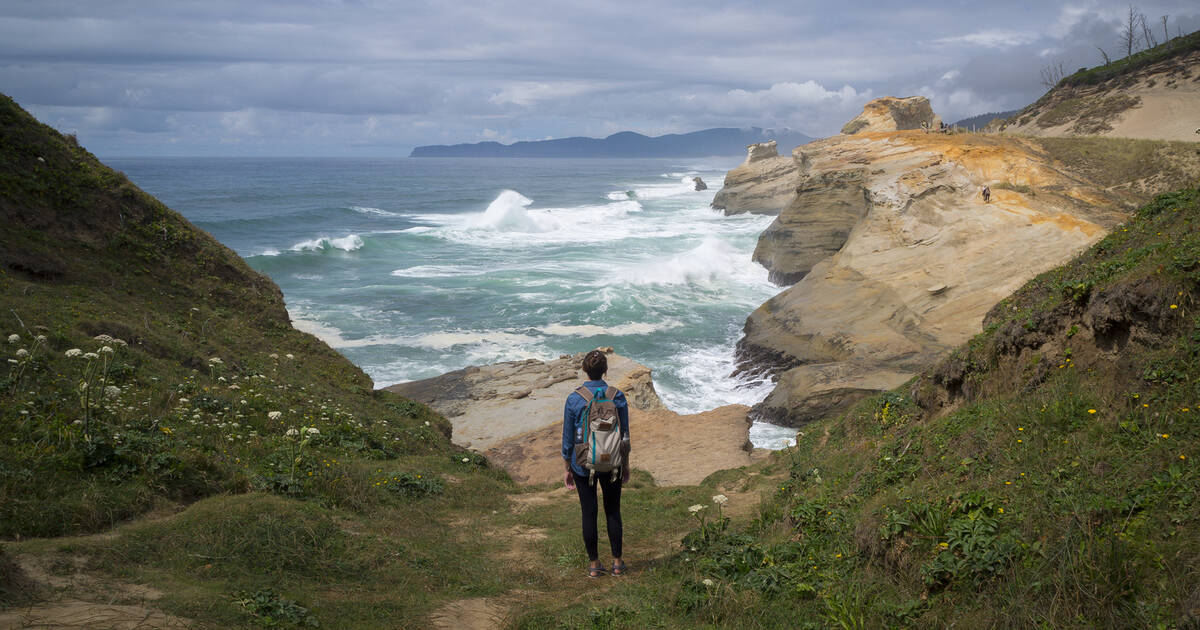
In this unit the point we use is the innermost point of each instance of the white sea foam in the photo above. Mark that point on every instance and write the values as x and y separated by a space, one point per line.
324 332
447 340
712 260
374 211
507 212
619 330
347 243
438 271
269 252
308 277
772 436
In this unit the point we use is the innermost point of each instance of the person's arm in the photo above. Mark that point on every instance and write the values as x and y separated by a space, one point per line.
568 442
623 418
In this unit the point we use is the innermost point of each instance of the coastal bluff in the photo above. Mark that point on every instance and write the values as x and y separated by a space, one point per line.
891 256
512 413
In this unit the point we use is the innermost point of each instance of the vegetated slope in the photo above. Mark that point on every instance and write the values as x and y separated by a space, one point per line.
145 363
1044 475
1152 94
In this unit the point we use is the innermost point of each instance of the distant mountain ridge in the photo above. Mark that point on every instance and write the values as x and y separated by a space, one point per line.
718 141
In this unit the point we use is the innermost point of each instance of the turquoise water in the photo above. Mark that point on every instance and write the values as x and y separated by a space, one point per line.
415 267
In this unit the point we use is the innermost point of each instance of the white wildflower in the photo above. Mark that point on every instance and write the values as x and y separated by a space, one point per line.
274 415
696 508
41 338
22 352
106 350
91 356
221 378
466 460
14 338
292 433
234 387
720 499
291 356
216 361
273 355
312 431
707 582
74 352
112 391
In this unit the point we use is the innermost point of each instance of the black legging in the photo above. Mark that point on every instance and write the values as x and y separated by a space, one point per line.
612 512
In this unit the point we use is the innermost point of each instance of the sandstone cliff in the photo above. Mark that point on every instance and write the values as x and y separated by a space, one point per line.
1160 100
894 114
764 184
896 257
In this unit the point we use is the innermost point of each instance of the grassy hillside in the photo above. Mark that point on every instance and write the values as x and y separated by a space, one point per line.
146 363
1045 475
146 367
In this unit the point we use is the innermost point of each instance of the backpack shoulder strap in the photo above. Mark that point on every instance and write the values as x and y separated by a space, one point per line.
611 392
585 392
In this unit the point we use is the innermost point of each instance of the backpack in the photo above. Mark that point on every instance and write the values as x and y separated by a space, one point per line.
599 445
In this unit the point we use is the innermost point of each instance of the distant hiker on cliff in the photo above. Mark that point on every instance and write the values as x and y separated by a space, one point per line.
595 447
987 194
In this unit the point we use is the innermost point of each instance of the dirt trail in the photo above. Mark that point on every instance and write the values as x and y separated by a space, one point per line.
743 494
74 598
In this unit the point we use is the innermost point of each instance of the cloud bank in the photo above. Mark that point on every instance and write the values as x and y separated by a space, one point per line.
371 77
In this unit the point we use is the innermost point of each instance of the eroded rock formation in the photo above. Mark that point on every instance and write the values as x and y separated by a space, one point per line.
896 258
894 114
764 184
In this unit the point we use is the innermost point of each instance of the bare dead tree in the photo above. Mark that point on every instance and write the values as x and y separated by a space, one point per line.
1105 55
1129 31
1052 74
1147 34
1166 33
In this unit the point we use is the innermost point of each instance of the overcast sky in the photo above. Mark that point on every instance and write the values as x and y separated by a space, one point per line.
376 77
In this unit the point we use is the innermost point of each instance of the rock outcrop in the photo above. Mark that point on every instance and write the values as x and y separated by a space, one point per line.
897 258
698 184
490 403
763 184
825 207
512 412
894 114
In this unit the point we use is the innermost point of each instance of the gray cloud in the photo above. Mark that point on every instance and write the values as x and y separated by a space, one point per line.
378 76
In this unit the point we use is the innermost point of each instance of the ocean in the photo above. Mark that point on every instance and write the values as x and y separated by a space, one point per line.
415 267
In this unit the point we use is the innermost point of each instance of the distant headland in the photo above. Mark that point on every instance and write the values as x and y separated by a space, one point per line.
626 144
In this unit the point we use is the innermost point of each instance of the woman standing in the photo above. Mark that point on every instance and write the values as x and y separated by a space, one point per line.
595 364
